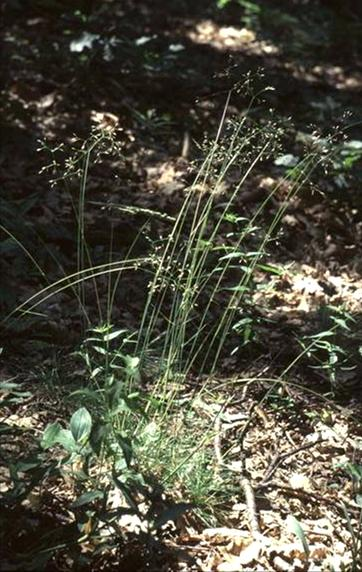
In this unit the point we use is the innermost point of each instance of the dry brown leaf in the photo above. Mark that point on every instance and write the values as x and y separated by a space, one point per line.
104 120
300 482
20 421
251 553
232 564
224 533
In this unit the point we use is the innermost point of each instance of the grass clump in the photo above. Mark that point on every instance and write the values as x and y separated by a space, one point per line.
142 425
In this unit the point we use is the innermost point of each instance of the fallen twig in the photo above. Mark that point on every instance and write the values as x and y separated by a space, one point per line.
279 458
309 494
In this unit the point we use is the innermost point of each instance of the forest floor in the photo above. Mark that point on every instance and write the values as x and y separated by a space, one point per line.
158 75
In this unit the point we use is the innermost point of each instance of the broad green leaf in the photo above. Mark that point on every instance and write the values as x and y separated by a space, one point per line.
81 425
66 439
123 404
55 434
50 435
296 528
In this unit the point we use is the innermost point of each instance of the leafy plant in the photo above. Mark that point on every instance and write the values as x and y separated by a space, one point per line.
132 433
346 162
326 347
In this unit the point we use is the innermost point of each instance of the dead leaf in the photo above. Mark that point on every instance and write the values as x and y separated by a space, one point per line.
300 481
105 121
224 533
247 556
251 553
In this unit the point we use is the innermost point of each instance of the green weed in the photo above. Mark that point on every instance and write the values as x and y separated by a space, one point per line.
136 432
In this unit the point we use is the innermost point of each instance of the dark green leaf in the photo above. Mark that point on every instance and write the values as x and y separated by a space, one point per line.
67 440
50 435
81 425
